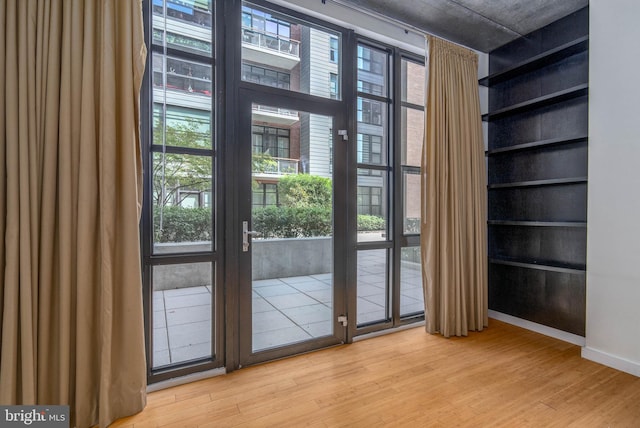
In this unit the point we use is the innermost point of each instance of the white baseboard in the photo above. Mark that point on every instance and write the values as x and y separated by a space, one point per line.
538 328
185 379
631 367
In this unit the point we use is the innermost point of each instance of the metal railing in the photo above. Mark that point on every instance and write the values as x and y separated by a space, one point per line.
271 41
279 166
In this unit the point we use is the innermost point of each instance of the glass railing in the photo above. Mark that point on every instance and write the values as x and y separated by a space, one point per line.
271 42
279 166
274 110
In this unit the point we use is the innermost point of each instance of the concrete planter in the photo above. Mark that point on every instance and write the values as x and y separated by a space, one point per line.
272 258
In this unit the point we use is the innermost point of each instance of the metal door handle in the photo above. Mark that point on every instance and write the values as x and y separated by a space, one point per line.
245 235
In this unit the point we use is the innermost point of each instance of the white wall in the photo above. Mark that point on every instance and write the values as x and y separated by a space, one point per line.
613 234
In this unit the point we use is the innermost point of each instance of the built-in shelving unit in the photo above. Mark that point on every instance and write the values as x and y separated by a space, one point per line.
537 174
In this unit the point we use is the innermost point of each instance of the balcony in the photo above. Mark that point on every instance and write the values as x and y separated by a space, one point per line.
277 167
268 49
274 115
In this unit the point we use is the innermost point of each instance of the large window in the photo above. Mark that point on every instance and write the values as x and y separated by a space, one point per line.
180 258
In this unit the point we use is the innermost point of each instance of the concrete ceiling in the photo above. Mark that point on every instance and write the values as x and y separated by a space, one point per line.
480 24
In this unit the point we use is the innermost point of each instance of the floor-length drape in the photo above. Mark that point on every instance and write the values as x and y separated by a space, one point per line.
453 182
71 320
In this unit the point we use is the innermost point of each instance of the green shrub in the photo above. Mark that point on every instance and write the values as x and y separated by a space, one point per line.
370 222
292 222
178 224
305 190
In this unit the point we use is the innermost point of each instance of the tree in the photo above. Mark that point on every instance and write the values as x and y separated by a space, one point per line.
175 173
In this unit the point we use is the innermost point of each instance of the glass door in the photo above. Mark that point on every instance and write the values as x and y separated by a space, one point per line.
291 279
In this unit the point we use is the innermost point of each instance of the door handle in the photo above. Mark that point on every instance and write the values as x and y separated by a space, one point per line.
245 235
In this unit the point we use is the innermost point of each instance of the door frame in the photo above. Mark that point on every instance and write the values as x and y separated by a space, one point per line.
250 94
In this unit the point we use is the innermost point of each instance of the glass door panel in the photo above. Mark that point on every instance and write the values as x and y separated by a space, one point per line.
288 258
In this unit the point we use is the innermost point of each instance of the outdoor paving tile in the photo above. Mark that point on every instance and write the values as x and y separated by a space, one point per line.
415 293
368 311
189 334
188 300
258 304
312 286
319 329
375 280
364 290
411 308
158 301
266 282
291 301
275 290
279 337
159 319
270 321
161 358
293 280
308 314
186 353
185 291
323 276
188 315
160 341
323 296
378 298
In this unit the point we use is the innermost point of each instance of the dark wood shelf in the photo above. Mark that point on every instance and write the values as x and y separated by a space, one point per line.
538 183
536 145
543 101
538 61
536 223
541 265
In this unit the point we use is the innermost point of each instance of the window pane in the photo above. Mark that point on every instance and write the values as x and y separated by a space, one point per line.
181 127
372 205
182 83
182 314
372 70
182 221
277 47
372 301
411 294
413 82
412 136
411 201
184 26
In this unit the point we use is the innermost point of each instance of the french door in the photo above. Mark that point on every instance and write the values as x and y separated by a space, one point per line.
290 201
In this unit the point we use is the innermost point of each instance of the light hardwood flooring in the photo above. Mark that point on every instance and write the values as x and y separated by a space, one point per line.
504 376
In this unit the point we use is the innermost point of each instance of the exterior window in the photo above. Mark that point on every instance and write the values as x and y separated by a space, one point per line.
369 111
270 141
264 76
265 195
333 49
333 86
370 201
370 149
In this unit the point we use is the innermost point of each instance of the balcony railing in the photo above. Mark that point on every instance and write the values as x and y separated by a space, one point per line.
271 42
275 110
279 166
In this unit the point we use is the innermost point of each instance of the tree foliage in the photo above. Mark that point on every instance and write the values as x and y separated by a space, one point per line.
305 190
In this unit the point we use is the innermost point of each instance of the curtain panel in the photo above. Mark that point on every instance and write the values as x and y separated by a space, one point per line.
453 190
71 320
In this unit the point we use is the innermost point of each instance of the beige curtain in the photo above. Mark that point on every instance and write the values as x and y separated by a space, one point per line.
453 228
71 320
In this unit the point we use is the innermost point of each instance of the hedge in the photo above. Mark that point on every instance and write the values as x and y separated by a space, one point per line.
194 224
182 224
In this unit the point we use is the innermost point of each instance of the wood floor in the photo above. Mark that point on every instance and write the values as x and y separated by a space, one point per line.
504 376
